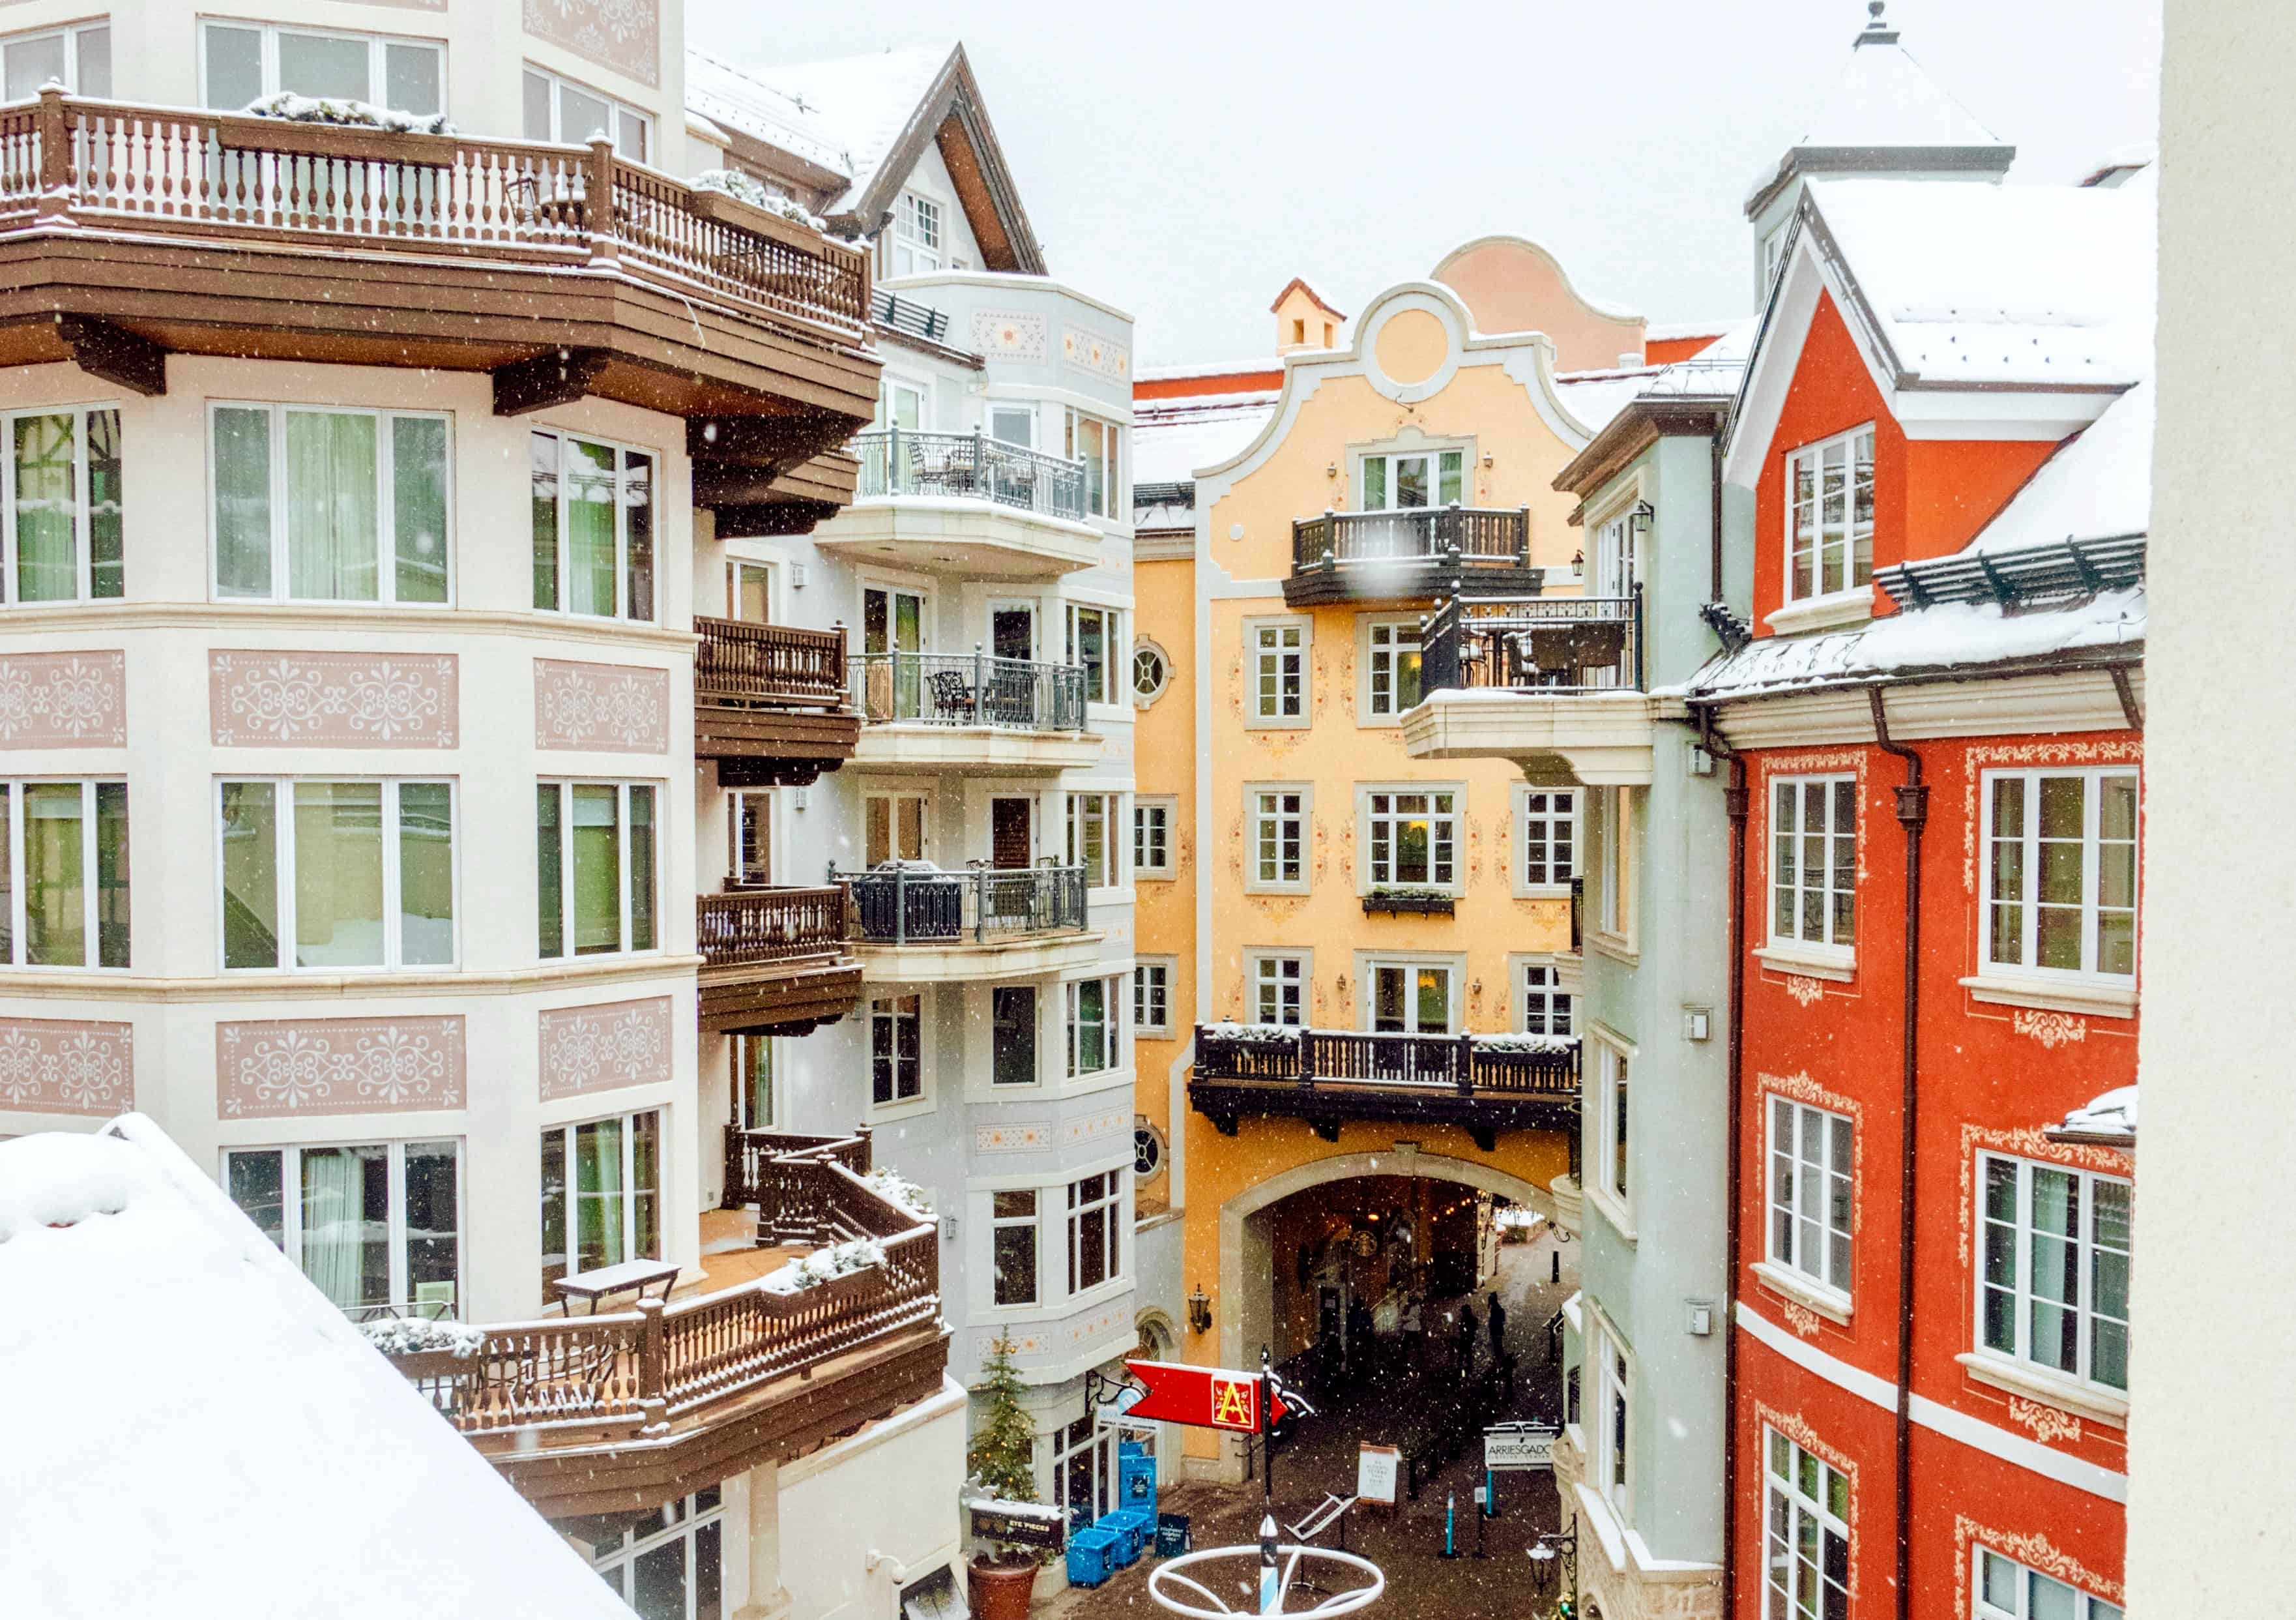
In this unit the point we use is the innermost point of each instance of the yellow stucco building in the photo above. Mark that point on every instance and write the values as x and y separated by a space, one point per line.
1332 933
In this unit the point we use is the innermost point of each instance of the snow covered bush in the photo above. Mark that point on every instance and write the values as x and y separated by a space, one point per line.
1525 1043
758 194
1254 1034
349 114
887 1184
838 1260
396 1336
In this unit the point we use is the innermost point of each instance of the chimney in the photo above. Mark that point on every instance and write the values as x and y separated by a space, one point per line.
1304 319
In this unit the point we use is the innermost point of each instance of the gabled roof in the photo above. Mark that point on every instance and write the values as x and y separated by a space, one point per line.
207 1437
1313 297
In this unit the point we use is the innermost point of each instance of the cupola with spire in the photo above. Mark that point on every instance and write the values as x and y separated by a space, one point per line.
1887 120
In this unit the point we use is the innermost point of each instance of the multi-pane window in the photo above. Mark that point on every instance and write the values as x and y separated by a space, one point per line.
1830 516
1547 1008
1615 876
1615 1120
752 1058
1278 990
1550 837
594 527
1096 1209
244 61
1090 846
1013 1244
63 873
1395 684
896 1071
337 874
1093 648
560 109
1414 477
1152 672
669 1566
1814 861
1613 1383
2007 1589
1151 837
1806 1535
892 828
314 504
1279 836
601 1194
1279 672
1084 1469
2061 871
1810 1192
1413 839
597 868
78 59
373 1227
60 491
1012 1035
1096 444
1151 998
1411 997
749 837
2053 1283
916 234
1092 1025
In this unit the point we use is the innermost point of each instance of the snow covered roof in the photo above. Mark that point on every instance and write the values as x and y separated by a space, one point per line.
860 106
1596 397
209 1438
1173 438
738 101
1671 332
1209 368
2098 484
2110 1120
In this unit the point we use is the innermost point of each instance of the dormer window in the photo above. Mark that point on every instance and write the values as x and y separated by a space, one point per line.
1404 479
916 235
1830 516
1299 332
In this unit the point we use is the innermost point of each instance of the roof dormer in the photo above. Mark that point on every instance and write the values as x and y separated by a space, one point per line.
1303 319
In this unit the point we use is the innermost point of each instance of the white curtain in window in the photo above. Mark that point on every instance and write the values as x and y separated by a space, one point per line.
331 1223
331 525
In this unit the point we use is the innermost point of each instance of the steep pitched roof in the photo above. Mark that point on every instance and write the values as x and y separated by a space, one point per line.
1313 297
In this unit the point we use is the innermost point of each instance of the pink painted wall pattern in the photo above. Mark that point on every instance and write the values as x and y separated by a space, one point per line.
297 1066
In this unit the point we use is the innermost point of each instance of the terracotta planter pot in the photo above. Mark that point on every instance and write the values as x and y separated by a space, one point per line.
999 1591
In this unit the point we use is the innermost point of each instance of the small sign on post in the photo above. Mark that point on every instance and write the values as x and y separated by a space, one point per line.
1378 1469
1019 1524
1519 1446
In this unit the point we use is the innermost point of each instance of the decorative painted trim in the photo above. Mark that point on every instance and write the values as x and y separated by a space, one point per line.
1101 356
1979 756
1804 988
1809 762
1011 334
1795 1428
1802 1089
2027 1142
295 1067
2052 1030
610 707
604 1048
339 700
2019 1452
55 1066
622 34
1091 1128
2047 1422
64 700
2035 1552
1025 1136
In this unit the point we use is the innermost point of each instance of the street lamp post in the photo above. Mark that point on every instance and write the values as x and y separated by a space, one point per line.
1550 1556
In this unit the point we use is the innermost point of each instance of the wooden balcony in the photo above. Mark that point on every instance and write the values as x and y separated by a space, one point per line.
1417 553
1483 1084
775 961
769 702
130 233
622 1412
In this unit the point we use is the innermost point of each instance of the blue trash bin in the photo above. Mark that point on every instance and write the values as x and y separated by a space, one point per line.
1091 1556
1137 1526
1137 1481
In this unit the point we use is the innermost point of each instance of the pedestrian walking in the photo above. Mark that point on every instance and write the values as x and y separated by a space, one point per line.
1415 1333
1467 1325
1497 1320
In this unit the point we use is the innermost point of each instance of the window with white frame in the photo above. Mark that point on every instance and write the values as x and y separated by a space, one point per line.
63 885
1095 1213
332 873
1012 422
1806 1544
753 1064
2060 872
1279 989
1394 675
244 61
2007 1590
1279 673
1411 998
373 1227
1013 1244
1012 1035
896 1069
569 112
597 868
1829 515
1547 1007
1613 1121
1151 836
1084 1469
892 828
79 59
1151 996
1547 819
669 1566
319 503
2053 1274
1279 838
1413 839
1612 1438
601 1194
1814 861
60 490
1096 444
749 837
1092 1025
594 527
916 234
1152 672
1810 1159
1093 648
1614 910
1090 843
904 405
1400 480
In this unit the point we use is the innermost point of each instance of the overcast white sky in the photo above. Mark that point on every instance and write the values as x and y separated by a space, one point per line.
1183 160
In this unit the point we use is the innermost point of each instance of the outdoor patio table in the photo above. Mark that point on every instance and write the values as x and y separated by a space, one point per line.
633 1277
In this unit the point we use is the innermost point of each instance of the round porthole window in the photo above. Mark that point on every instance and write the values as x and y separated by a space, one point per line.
1152 672
1147 1150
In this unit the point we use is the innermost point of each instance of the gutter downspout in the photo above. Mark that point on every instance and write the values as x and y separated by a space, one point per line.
1912 814
1734 804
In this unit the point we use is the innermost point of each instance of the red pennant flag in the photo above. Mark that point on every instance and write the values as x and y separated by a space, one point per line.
1208 1397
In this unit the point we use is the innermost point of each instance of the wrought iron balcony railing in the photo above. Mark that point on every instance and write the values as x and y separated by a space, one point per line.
910 903
1535 644
1509 1066
900 461
961 690
1467 536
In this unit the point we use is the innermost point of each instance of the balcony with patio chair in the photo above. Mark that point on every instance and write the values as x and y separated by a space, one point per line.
915 923
1416 553
960 713
966 504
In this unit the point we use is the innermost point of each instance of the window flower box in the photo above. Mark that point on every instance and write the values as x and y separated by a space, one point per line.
1410 902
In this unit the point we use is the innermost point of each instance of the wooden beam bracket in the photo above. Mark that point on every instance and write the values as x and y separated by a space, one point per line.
115 354
558 377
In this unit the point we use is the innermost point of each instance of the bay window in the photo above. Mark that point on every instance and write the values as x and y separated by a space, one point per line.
1413 839
1814 861
373 1227
1013 1241
63 873
601 1194
1810 1191
1806 1535
594 527
59 489
597 867
2052 1279
336 874
555 107
317 504
1096 1211
242 62
669 1566
1830 516
1092 1026
2060 872
1095 443
896 1049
